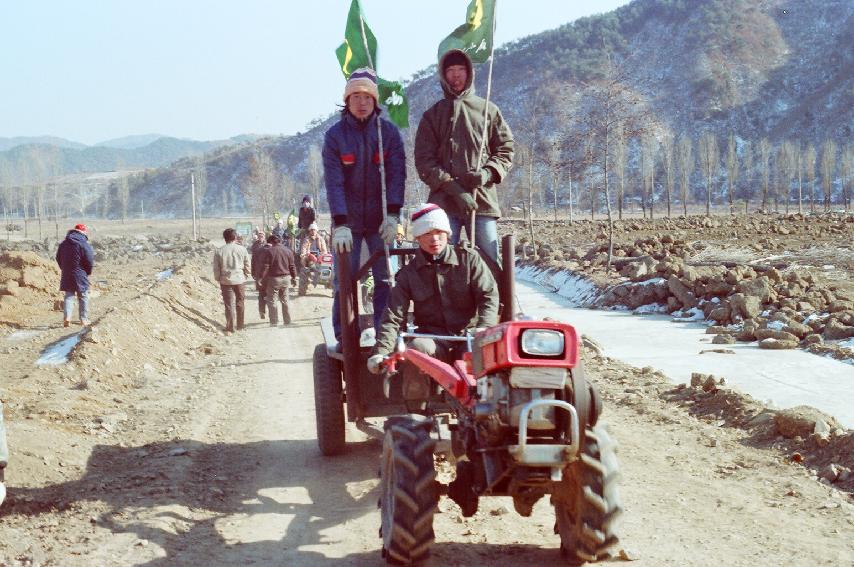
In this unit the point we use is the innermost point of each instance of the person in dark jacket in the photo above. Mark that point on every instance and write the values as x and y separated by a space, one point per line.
76 260
279 263
447 158
451 288
351 166
307 216
257 251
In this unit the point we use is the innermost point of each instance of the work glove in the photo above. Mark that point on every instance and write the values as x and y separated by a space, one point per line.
477 178
342 239
374 363
388 230
463 199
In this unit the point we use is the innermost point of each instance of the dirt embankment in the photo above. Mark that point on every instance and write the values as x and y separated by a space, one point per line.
161 442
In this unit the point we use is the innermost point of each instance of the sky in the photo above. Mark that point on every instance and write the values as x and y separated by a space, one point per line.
93 70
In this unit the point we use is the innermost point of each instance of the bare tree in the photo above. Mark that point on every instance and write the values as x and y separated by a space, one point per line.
709 161
686 169
610 106
314 170
554 160
123 193
799 165
847 172
667 161
765 168
828 168
731 170
649 152
200 176
619 166
809 170
747 168
260 189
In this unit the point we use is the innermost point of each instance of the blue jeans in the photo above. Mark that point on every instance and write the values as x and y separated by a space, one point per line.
379 270
83 303
486 233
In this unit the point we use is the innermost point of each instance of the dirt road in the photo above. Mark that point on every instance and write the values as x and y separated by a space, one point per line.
217 463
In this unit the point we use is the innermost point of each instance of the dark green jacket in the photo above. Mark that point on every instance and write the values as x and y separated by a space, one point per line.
451 294
447 142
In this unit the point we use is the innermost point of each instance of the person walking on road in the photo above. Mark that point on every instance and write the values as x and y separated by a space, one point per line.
447 158
231 268
76 260
351 166
259 247
279 265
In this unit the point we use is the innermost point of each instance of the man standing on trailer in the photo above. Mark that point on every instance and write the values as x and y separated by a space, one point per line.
352 171
447 145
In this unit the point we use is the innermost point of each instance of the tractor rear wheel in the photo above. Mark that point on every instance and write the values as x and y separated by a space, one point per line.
587 503
328 402
408 497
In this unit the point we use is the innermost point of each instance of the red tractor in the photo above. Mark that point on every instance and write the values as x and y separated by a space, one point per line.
523 421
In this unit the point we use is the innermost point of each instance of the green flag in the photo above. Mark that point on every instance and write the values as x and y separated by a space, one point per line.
352 55
475 36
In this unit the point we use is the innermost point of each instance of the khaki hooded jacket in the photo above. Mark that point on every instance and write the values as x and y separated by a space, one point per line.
448 140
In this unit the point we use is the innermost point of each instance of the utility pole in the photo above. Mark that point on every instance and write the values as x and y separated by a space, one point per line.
193 203
141 209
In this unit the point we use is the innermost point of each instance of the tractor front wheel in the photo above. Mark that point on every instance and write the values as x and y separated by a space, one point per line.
587 503
408 497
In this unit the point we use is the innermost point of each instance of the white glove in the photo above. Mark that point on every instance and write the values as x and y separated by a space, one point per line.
2 492
388 230
374 363
342 239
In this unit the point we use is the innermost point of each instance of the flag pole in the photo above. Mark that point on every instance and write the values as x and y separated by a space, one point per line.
485 115
389 277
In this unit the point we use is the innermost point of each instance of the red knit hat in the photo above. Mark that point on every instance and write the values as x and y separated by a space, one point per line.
80 227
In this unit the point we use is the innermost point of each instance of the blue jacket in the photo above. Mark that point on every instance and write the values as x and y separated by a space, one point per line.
76 260
351 169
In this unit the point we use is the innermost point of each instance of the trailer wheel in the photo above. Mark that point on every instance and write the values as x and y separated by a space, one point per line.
587 503
328 403
408 497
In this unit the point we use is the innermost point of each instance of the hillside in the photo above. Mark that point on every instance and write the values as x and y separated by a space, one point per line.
781 69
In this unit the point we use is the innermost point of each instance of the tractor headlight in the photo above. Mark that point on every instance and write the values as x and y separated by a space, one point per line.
542 342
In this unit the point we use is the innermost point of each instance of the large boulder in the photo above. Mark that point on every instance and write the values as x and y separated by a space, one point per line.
835 330
681 292
746 306
776 344
757 287
801 421
763 334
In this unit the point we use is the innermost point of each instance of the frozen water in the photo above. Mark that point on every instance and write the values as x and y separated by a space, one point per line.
786 377
17 336
164 275
57 353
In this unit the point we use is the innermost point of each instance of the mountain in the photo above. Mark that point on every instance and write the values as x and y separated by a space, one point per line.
776 69
781 69
9 143
131 142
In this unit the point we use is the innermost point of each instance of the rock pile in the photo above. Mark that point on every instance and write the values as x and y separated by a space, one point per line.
27 281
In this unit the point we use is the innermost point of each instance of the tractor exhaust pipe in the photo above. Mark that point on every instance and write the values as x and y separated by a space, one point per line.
507 285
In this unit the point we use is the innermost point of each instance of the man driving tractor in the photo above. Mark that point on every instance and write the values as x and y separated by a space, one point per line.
313 243
452 290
